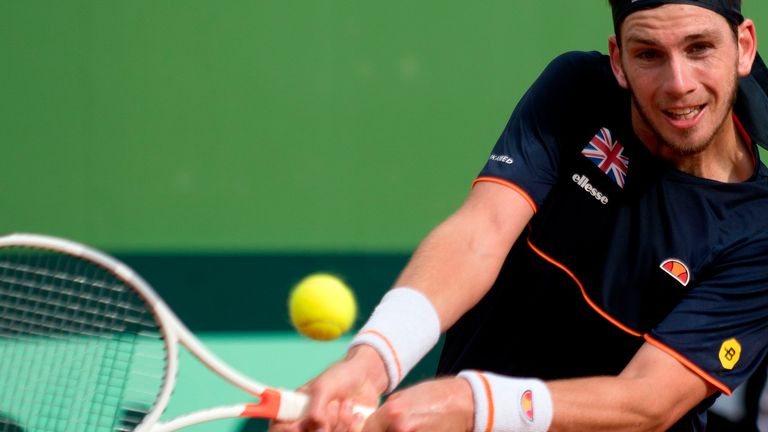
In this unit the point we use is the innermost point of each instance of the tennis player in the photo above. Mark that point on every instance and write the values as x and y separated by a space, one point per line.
609 269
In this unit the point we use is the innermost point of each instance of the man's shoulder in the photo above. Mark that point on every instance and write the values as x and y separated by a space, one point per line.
582 71
581 58
582 62
579 89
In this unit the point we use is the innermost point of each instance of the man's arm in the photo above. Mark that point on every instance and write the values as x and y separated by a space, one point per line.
454 266
650 395
458 261
652 392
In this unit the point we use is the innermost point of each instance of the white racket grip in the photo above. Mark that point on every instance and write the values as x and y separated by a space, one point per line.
294 405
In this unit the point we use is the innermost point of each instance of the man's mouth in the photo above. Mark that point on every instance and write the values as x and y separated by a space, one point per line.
686 113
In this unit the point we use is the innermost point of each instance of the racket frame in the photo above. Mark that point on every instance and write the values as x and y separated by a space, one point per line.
273 403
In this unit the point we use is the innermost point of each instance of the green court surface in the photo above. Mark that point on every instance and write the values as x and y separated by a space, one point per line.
279 359
66 378
56 382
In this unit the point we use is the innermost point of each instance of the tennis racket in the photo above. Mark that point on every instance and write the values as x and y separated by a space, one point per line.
86 345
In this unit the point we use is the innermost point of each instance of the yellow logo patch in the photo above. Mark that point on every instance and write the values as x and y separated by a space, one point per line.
730 351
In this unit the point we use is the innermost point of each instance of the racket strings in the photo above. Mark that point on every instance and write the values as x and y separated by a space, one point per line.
79 349
77 308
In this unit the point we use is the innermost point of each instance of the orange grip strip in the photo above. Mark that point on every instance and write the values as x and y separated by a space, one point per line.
687 363
489 397
604 314
510 185
267 407
392 349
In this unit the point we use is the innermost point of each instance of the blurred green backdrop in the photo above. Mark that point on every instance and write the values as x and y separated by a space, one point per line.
231 147
268 126
261 125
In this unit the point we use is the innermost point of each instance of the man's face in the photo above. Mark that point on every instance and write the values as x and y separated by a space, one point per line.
681 64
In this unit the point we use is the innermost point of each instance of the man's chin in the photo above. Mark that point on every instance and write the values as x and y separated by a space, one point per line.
687 147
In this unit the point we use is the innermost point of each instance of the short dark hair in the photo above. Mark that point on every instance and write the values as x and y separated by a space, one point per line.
617 25
614 3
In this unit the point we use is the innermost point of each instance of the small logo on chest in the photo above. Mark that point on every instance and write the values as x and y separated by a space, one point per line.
583 182
677 269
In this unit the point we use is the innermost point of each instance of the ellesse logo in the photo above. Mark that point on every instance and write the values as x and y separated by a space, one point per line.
677 269
526 406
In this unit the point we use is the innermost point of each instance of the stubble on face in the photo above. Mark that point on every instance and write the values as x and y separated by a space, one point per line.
680 147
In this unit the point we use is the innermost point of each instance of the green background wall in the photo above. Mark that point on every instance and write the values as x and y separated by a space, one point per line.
260 125
235 146
264 135
246 125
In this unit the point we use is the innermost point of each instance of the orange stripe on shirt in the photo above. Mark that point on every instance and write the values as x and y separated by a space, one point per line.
687 363
594 306
722 387
510 185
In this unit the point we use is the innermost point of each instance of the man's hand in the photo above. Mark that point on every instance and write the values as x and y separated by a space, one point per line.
359 379
444 405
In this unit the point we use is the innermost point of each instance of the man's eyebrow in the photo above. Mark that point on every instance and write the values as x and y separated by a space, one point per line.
706 34
641 40
703 35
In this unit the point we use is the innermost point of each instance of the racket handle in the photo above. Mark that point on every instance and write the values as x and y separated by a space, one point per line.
363 410
294 406
277 404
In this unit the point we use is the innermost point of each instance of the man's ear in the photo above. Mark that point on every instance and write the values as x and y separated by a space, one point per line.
615 53
747 41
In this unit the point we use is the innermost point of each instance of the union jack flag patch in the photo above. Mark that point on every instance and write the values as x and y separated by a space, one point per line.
608 155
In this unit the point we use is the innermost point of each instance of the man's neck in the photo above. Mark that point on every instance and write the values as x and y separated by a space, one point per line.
728 159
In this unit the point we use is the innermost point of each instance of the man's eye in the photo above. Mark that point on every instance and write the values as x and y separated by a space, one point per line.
647 55
699 48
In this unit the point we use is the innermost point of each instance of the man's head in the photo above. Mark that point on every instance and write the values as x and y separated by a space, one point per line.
681 60
729 9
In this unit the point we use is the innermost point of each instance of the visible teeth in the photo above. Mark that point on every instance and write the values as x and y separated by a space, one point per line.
684 113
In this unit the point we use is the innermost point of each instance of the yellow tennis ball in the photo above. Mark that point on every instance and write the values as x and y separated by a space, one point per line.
322 307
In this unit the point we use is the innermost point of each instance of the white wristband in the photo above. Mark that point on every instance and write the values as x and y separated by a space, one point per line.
403 328
505 404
